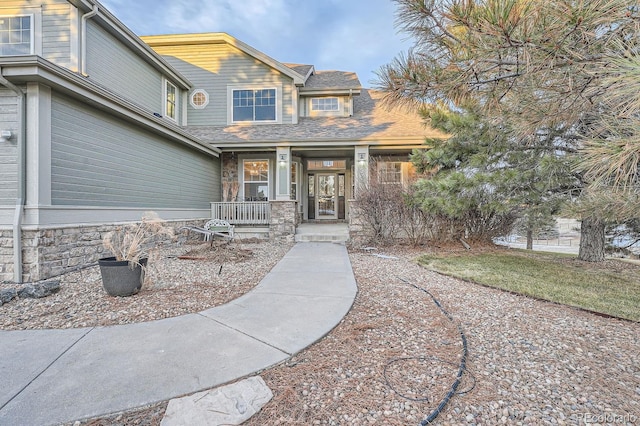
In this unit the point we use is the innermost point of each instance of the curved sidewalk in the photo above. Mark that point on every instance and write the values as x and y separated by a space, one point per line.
58 376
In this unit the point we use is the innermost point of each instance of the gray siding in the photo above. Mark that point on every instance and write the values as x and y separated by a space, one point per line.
98 160
213 67
56 34
55 29
8 150
112 65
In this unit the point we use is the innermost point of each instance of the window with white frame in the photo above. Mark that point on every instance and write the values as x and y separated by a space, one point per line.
171 98
199 99
390 172
324 104
256 180
254 105
16 35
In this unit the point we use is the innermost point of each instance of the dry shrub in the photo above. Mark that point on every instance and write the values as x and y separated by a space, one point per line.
132 242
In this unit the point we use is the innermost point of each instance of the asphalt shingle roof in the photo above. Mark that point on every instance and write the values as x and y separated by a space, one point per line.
340 80
301 69
371 121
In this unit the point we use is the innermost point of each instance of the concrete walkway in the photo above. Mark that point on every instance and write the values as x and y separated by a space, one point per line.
57 376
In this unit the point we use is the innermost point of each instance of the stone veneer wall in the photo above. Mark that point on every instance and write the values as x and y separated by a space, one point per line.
230 177
6 255
284 219
50 252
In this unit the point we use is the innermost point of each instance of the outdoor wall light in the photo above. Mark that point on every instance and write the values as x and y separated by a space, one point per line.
362 157
5 135
283 159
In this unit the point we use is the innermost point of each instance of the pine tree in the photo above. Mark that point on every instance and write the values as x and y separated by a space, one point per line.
547 73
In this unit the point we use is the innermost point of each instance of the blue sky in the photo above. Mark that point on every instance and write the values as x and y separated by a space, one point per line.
345 35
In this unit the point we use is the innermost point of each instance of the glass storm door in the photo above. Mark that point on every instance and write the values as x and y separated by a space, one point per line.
326 196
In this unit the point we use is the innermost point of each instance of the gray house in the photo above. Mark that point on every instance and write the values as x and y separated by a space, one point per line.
98 125
91 125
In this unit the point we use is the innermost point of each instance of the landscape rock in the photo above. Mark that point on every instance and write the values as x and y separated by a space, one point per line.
227 405
39 290
7 295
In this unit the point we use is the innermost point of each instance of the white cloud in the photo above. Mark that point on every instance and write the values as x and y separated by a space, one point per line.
264 18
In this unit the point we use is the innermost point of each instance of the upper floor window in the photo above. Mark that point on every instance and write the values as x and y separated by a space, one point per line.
324 104
254 105
16 35
171 99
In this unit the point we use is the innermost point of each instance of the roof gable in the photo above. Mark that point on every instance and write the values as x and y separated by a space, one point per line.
213 38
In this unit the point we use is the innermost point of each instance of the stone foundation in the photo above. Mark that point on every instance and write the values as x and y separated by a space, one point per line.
6 255
50 252
284 220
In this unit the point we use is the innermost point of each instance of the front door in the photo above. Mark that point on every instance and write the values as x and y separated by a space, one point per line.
326 205
326 195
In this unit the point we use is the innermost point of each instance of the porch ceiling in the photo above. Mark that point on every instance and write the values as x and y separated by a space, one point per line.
323 153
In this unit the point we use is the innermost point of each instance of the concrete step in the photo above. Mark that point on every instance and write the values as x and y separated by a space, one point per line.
334 238
337 233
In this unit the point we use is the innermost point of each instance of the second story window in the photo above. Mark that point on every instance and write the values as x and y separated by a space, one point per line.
16 35
254 105
170 98
324 104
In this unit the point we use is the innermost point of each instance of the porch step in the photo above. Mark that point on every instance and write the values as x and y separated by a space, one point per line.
317 232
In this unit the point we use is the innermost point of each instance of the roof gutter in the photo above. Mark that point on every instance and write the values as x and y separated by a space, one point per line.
21 177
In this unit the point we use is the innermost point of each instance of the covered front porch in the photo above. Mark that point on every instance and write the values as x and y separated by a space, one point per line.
277 219
286 186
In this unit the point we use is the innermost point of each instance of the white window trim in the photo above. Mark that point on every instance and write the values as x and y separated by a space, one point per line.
206 98
337 108
270 178
298 166
35 33
232 87
165 83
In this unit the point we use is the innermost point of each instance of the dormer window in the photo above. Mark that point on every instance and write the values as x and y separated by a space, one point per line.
324 104
16 35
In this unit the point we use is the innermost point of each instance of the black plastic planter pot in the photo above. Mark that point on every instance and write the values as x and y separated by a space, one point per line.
119 279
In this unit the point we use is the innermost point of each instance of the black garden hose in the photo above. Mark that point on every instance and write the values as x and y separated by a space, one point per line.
463 361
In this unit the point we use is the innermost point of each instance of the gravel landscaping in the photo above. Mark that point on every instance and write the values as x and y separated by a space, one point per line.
180 279
396 354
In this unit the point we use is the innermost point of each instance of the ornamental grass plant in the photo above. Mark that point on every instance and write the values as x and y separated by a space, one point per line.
132 242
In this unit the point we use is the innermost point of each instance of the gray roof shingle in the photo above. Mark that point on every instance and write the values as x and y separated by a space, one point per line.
337 80
301 69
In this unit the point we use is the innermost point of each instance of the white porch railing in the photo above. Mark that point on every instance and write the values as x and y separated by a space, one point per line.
242 213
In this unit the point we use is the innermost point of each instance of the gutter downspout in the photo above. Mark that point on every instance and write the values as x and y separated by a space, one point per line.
22 177
83 38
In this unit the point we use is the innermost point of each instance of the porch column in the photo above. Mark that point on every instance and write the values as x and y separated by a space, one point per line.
361 174
283 173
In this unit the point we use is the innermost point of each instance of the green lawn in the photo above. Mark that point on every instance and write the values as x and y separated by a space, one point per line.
611 287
